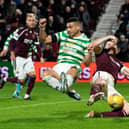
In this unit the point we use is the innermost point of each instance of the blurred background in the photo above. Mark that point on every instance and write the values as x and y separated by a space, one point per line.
98 18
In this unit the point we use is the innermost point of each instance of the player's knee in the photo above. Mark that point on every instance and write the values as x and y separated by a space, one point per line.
73 72
21 81
32 75
45 73
99 87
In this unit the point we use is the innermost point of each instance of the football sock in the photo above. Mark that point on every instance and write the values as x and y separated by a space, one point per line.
95 88
53 82
30 85
11 79
118 113
69 80
18 88
28 79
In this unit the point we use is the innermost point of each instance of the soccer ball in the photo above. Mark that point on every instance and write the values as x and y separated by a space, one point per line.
116 101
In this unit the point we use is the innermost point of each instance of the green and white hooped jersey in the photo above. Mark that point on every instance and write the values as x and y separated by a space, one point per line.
72 49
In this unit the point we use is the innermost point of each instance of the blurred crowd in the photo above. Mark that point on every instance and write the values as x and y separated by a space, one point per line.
13 13
120 28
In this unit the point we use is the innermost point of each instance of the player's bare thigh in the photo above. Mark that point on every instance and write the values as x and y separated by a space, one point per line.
50 73
73 71
100 81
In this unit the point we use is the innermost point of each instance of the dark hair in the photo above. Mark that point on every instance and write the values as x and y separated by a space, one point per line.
106 42
73 19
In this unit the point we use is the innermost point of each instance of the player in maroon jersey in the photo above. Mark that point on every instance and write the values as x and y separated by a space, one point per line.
25 39
104 79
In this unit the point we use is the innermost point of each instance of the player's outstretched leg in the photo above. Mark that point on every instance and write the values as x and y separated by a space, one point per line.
63 82
3 80
97 93
115 113
95 97
65 89
92 114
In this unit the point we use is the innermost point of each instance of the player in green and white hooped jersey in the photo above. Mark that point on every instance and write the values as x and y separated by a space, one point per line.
74 48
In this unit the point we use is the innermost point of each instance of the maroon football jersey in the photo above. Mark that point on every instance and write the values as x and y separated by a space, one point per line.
24 39
108 63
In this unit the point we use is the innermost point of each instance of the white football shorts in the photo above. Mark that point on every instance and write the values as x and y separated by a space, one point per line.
110 82
64 67
24 66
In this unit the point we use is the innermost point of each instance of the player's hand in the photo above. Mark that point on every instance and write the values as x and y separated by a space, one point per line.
42 23
42 60
3 53
126 108
90 48
12 57
113 38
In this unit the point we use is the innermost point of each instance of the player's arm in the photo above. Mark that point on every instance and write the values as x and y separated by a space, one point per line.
88 57
37 49
96 43
6 46
100 41
125 70
43 37
125 108
12 42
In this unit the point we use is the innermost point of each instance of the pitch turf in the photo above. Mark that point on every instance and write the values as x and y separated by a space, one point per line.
50 109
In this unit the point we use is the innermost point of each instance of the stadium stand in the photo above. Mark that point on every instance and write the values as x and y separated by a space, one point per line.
13 12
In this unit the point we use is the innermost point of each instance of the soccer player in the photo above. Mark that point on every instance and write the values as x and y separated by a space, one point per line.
4 53
74 48
25 39
16 93
104 79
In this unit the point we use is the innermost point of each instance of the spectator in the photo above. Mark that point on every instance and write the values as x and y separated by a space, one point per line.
51 26
84 16
124 16
60 24
126 33
43 8
125 6
11 7
48 52
62 7
51 7
68 13
123 48
94 13
115 26
2 15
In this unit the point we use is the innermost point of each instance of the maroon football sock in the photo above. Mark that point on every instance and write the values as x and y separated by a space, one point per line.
12 79
30 85
113 114
95 88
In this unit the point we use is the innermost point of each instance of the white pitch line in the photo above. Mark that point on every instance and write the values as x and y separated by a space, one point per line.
34 105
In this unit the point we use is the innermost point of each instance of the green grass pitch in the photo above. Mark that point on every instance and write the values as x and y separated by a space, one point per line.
50 109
